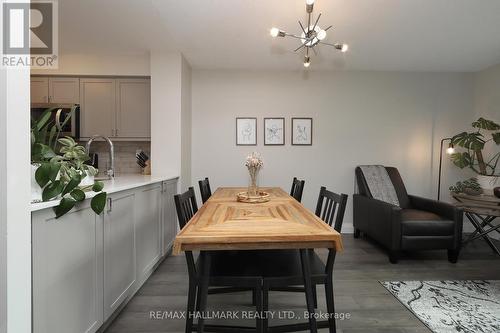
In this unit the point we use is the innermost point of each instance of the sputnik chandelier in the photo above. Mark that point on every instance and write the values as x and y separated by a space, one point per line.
311 36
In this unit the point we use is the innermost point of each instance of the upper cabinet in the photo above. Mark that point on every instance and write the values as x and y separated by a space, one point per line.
61 90
64 90
39 90
133 117
119 108
97 107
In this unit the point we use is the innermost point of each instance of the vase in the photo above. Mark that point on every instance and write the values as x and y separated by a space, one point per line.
488 183
253 183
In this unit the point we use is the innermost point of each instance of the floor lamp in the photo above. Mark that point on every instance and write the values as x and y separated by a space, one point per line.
450 150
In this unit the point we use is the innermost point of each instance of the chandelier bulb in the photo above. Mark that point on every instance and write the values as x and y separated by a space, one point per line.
309 2
307 61
321 34
344 48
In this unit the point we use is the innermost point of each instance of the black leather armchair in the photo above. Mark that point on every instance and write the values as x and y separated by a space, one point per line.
416 224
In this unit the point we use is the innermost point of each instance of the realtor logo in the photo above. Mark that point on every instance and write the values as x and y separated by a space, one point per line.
29 34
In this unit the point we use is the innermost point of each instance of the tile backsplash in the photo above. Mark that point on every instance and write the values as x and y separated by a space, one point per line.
125 161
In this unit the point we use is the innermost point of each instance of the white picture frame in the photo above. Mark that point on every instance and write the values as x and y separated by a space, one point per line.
246 131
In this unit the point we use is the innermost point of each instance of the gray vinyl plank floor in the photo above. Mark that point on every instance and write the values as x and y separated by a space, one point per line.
358 293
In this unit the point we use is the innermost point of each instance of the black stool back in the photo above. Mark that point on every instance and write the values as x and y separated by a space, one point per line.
205 190
297 189
330 203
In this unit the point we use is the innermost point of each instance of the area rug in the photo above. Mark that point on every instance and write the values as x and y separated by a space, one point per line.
451 306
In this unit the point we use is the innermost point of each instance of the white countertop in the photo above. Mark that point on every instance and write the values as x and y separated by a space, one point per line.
119 183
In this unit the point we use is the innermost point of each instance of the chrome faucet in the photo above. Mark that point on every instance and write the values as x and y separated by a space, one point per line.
111 171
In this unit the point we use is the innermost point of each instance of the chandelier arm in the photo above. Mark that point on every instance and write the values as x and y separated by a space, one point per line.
328 28
324 43
302 27
308 22
315 53
295 36
316 23
301 46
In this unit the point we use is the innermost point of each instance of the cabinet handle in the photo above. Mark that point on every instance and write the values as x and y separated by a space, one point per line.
110 205
116 132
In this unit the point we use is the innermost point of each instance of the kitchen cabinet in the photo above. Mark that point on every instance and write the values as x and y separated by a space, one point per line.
39 90
97 107
133 111
64 90
59 90
169 215
119 250
148 229
86 266
67 271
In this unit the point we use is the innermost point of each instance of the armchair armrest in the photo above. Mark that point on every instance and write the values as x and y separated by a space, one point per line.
440 208
444 209
379 219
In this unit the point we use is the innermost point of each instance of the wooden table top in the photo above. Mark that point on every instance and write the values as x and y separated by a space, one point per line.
478 204
222 223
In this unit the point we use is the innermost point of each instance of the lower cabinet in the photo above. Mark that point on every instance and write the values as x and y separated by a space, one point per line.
67 271
85 266
148 229
169 219
119 250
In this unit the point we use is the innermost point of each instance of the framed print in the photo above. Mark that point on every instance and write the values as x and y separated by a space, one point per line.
246 131
302 131
274 131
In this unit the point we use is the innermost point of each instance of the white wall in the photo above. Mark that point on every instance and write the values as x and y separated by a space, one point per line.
487 104
185 126
359 118
166 82
100 64
3 202
15 208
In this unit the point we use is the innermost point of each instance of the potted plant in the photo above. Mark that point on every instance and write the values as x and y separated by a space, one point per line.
473 156
59 175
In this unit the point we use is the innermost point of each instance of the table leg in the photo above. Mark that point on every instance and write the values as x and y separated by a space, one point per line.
203 288
306 273
483 233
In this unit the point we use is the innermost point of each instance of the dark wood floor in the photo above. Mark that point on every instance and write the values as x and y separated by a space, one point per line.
358 292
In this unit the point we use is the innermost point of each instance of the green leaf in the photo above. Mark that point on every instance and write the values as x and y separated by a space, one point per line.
54 170
98 186
42 174
67 141
44 118
72 184
461 160
472 141
52 135
486 124
64 206
98 203
496 137
78 194
52 190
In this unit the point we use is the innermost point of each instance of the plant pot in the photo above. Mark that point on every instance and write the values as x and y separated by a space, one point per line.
36 190
87 181
488 183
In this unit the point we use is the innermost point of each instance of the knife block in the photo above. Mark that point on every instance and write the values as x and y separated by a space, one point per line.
147 170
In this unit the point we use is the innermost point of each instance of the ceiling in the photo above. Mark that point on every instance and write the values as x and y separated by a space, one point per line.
394 35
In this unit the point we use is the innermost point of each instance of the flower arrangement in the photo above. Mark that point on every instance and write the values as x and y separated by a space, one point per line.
253 163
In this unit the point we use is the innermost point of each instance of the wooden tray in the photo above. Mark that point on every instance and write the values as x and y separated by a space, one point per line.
260 198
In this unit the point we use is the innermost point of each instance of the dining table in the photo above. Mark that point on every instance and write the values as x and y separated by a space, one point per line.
225 224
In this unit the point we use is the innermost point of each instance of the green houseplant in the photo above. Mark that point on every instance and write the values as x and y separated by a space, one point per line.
60 166
472 153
